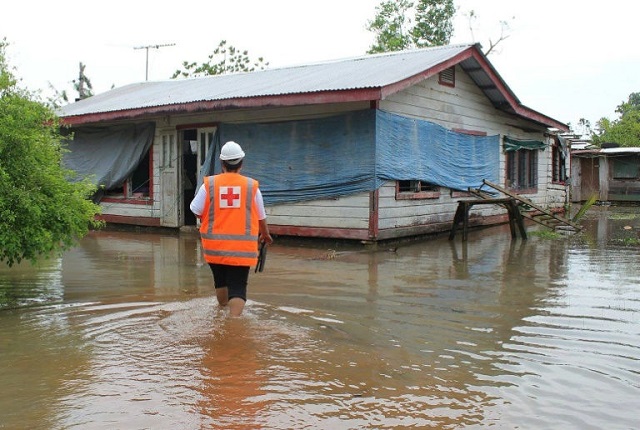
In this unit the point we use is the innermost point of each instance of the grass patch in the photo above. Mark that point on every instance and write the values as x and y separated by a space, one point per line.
627 241
623 216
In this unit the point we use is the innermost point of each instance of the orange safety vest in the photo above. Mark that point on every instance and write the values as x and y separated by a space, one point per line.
229 226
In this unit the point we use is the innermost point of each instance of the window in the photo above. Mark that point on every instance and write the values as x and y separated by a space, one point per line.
140 179
409 190
625 167
522 170
136 188
447 77
558 164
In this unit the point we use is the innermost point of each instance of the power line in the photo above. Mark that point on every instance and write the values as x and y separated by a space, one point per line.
146 76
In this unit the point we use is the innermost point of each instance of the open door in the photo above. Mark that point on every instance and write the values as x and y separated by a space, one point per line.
196 144
170 197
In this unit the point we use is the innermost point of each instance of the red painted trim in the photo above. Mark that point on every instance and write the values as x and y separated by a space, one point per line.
323 232
510 96
321 97
339 233
197 125
460 194
151 173
415 195
374 199
134 200
543 119
470 132
495 78
120 219
130 201
324 97
401 85
420 195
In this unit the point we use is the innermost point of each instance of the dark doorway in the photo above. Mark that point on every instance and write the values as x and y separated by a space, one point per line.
189 175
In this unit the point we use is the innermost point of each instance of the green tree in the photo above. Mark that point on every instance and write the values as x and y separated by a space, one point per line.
395 30
391 26
224 59
83 84
41 211
624 131
433 26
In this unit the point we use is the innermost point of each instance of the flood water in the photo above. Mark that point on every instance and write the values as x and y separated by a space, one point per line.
123 332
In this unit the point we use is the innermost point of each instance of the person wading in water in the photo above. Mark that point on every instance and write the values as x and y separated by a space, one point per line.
233 221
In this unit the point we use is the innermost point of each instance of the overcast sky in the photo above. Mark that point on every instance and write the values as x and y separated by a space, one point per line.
568 59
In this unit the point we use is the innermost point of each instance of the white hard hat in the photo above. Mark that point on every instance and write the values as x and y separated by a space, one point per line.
231 152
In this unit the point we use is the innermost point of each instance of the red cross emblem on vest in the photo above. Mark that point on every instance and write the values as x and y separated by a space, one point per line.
230 197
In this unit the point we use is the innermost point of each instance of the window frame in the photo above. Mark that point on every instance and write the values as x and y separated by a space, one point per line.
417 190
522 164
126 194
558 165
620 174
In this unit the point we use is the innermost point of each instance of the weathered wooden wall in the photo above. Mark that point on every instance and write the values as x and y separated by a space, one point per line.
463 107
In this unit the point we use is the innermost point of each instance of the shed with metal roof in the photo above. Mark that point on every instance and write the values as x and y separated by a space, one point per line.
612 174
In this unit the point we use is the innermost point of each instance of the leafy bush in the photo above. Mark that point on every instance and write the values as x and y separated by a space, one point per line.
40 210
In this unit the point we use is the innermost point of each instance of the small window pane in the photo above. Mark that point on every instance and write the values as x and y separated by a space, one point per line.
625 168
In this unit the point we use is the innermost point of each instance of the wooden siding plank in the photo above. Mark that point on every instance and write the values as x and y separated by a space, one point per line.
464 106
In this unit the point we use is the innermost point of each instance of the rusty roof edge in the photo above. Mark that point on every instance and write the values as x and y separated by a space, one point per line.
513 101
412 80
319 97
470 58
541 118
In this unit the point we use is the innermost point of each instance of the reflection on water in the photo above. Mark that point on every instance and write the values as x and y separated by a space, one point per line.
124 332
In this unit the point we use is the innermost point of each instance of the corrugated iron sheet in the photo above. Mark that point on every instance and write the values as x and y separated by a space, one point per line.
372 71
371 77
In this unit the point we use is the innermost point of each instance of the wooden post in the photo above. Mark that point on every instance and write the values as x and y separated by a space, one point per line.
462 216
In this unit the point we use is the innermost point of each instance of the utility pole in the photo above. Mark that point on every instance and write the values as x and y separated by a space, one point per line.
146 76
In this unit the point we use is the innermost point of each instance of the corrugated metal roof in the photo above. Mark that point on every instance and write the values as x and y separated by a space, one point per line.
588 148
621 150
370 77
373 71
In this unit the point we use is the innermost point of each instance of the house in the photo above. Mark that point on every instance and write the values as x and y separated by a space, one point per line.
370 148
610 172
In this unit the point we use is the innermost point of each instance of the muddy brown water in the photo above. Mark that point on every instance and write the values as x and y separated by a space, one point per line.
123 332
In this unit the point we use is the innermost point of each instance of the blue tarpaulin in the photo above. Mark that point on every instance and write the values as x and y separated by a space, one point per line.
356 152
309 159
413 149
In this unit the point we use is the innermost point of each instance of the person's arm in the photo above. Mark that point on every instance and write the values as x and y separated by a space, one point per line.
197 204
264 232
262 219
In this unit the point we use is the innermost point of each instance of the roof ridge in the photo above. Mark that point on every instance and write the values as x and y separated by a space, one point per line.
377 55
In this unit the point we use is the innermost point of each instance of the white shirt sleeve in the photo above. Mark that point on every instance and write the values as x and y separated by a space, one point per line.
259 202
197 204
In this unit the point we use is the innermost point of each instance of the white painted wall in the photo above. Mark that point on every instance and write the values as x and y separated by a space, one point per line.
350 212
